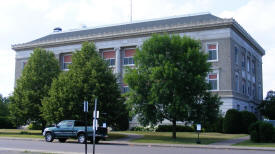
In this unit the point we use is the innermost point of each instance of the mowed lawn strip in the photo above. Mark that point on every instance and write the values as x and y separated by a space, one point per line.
182 137
21 133
253 144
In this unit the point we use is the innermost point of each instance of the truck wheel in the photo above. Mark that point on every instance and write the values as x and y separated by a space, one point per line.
81 138
62 140
49 137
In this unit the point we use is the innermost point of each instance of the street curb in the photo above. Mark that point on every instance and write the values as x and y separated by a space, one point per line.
189 146
40 151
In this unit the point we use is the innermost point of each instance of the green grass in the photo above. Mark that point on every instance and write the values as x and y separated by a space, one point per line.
182 137
19 133
253 144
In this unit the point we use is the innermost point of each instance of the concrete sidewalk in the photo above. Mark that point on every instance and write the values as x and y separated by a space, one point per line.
232 141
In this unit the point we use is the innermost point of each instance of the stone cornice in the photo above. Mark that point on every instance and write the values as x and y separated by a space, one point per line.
144 31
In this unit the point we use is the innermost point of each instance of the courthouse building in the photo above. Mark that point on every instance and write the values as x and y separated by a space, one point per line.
235 56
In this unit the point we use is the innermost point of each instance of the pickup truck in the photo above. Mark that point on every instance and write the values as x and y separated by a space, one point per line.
73 129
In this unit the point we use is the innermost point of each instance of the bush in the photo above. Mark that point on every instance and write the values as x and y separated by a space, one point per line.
218 126
261 132
247 119
232 122
35 126
179 128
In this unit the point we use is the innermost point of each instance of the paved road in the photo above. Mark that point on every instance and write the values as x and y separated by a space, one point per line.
19 146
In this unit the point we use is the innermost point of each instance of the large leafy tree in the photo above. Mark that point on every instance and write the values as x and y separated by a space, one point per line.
88 78
267 107
4 113
168 79
33 85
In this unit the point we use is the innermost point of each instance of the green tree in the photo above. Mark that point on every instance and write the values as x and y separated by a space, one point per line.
168 79
32 87
88 77
267 107
206 111
4 113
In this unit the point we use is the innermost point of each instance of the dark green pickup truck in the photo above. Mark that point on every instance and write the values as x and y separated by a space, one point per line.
73 129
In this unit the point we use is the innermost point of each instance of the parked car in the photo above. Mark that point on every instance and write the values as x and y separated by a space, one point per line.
73 129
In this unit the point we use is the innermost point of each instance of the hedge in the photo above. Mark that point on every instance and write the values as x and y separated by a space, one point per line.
262 132
232 122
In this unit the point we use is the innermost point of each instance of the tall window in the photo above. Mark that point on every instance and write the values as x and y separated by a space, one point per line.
253 68
254 90
238 107
249 88
110 57
67 60
237 82
213 81
243 60
236 55
212 51
248 64
24 63
128 57
243 87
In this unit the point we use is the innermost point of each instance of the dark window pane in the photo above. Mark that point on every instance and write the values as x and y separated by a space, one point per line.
126 61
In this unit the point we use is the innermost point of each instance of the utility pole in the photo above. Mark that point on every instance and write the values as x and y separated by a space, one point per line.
94 125
86 110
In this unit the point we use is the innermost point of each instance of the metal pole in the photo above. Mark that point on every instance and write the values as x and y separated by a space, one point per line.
85 132
94 130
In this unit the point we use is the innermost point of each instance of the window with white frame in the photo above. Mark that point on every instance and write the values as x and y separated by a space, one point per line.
213 81
236 55
212 50
128 57
110 57
67 60
237 82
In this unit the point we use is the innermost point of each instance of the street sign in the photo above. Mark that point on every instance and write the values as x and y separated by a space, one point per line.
198 127
85 106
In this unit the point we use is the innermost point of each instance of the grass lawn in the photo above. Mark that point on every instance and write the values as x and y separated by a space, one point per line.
183 137
19 133
253 144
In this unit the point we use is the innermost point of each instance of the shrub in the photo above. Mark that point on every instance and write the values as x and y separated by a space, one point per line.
266 132
261 132
232 122
35 126
179 128
218 126
247 119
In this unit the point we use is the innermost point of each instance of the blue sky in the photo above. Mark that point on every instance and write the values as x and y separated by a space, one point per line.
25 20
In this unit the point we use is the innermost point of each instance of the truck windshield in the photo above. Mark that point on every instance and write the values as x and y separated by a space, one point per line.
63 124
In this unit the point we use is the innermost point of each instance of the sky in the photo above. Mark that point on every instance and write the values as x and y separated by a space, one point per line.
25 20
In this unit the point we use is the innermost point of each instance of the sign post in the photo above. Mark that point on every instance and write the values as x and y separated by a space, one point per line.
198 130
94 125
86 110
